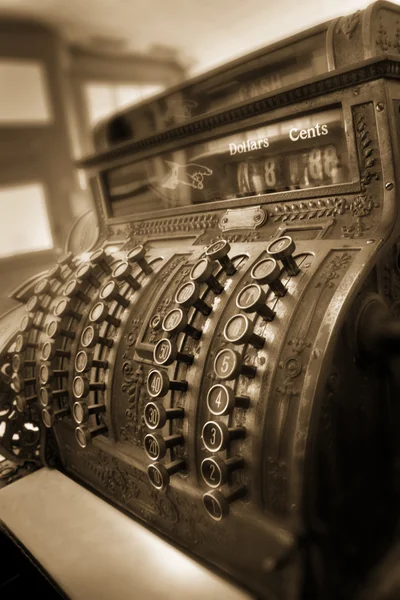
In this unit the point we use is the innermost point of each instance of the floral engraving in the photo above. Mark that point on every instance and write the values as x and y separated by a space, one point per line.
350 24
323 207
382 39
146 228
298 345
291 372
134 386
397 40
355 230
362 206
332 271
366 152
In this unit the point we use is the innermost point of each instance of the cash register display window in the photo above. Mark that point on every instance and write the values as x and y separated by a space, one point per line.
301 152
24 224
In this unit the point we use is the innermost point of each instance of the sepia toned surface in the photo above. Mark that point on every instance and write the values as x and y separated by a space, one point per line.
59 522
215 353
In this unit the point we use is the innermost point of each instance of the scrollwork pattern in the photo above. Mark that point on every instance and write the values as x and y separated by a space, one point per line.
291 374
366 151
355 229
382 40
131 336
134 385
136 232
362 206
182 517
350 24
324 207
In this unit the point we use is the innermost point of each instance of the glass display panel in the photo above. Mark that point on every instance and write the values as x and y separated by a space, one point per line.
304 60
240 81
307 151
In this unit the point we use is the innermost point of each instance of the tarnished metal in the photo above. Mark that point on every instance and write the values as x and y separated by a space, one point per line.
264 444
243 218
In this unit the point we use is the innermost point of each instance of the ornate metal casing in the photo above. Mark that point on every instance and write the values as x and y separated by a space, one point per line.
223 365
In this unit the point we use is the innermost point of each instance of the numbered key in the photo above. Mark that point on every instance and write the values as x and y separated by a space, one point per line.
176 321
156 415
123 272
84 362
50 351
19 383
55 329
100 257
99 313
35 304
221 400
47 395
82 386
22 342
56 273
73 290
22 402
137 255
251 299
239 330
44 287
28 323
85 273
216 471
84 435
47 374
62 309
51 416
110 291
166 352
189 295
283 249
267 272
219 251
19 362
159 474
228 364
90 337
82 411
217 504
217 436
156 445
159 384
202 272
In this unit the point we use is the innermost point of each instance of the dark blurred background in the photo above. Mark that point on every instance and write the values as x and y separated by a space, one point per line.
64 65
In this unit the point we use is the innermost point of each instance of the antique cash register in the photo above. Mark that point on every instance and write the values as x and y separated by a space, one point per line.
222 363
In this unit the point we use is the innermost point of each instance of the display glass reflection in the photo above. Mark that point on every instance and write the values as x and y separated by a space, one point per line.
303 152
